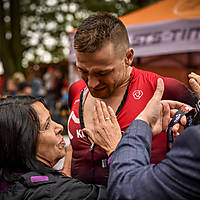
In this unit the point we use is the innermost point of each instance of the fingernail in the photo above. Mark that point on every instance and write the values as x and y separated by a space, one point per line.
97 101
103 103
192 81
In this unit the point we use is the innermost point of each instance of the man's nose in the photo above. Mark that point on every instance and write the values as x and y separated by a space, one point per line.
93 81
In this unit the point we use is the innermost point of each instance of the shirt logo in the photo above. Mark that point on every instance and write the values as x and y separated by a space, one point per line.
75 120
137 94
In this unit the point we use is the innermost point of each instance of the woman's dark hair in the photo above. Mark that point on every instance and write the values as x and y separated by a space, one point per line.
19 130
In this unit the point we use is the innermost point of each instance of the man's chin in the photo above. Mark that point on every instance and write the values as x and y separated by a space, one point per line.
100 95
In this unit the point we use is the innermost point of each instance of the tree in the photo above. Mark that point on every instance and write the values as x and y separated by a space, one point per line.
10 47
35 31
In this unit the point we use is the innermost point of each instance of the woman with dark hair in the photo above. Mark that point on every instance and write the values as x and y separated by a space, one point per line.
30 145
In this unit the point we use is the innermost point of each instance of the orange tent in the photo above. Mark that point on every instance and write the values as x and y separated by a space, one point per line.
169 26
164 11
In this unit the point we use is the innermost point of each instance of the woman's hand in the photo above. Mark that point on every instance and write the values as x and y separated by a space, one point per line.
107 132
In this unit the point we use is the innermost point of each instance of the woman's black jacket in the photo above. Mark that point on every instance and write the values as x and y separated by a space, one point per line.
34 186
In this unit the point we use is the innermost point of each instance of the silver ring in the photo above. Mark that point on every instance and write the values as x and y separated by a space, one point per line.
107 118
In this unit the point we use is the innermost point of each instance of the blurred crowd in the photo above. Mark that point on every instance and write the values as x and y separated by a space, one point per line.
52 86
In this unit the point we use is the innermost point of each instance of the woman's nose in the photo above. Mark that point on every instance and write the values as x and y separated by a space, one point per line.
59 128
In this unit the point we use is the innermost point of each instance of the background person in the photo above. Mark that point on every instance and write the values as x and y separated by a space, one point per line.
30 145
194 81
104 62
24 89
131 174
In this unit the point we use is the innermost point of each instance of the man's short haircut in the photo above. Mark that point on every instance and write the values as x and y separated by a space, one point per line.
98 29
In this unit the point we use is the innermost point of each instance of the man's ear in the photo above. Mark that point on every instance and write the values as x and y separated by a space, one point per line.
129 57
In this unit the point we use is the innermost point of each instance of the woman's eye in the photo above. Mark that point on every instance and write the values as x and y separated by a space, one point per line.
47 125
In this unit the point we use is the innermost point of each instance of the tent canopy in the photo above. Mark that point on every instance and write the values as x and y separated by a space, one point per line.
164 11
166 27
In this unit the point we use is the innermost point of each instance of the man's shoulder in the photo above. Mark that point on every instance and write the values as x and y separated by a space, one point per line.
146 76
77 86
142 72
143 79
75 90
192 132
184 155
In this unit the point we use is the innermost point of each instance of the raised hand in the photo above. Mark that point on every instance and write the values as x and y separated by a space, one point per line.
194 81
107 133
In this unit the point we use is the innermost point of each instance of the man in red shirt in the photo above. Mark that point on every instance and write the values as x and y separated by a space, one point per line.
104 61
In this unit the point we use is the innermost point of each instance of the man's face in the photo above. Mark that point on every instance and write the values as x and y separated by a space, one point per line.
103 71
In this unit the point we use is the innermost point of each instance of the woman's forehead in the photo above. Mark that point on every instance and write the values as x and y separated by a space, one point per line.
41 110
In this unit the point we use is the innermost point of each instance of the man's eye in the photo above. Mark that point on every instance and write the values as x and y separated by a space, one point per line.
102 74
82 71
